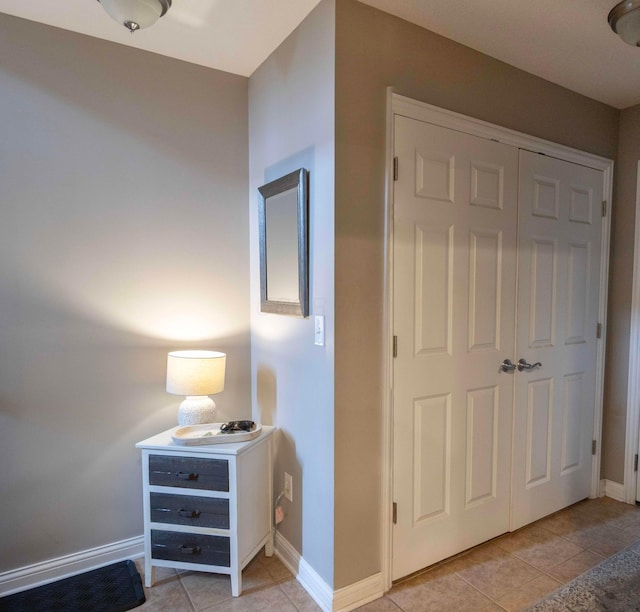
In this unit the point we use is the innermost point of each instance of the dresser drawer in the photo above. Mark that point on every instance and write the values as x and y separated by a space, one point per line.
189 510
190 548
189 472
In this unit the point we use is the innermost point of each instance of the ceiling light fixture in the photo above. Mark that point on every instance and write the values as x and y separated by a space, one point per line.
624 20
136 14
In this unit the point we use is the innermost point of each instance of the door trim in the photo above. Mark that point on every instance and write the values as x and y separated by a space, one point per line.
387 366
413 109
632 442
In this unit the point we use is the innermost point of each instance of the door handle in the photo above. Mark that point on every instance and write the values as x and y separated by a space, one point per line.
523 365
507 366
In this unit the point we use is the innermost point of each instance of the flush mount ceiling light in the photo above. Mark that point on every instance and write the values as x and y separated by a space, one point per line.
136 14
624 20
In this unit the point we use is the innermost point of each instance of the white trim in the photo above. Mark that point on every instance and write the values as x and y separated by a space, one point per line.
614 490
310 580
387 393
358 594
607 190
470 125
633 384
38 574
401 105
342 600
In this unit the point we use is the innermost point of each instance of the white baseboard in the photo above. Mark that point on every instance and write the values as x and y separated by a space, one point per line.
342 600
37 574
615 490
358 594
321 592
602 488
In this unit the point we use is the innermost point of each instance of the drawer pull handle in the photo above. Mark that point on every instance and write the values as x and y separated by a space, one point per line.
189 513
187 476
190 550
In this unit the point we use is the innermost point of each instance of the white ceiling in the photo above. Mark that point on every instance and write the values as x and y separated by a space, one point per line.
565 41
231 35
568 42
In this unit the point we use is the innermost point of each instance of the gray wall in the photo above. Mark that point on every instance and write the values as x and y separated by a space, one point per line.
620 290
375 50
291 119
123 234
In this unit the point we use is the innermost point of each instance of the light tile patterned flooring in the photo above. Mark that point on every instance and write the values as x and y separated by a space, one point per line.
508 573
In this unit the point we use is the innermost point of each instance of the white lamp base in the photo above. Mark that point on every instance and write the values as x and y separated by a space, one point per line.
196 409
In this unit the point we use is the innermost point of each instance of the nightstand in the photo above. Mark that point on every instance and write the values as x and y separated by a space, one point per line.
206 508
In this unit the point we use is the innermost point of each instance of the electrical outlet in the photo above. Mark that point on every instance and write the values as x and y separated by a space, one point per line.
288 486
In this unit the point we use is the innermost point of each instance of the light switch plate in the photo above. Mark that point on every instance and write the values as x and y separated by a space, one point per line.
319 330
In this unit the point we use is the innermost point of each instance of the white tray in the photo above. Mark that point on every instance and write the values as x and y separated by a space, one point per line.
209 433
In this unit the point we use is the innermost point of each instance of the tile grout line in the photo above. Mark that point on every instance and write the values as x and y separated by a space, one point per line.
475 588
540 571
186 592
293 603
562 583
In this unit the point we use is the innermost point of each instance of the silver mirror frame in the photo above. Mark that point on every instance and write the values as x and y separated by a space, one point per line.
299 180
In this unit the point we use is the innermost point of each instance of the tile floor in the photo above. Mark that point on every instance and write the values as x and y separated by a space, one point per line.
508 573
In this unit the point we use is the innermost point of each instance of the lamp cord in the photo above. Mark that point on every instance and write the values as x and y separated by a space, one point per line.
275 505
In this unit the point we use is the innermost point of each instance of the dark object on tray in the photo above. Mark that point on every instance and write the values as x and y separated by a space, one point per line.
235 426
114 588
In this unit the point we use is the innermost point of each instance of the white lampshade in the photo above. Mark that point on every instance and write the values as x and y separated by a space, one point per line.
196 374
624 19
136 14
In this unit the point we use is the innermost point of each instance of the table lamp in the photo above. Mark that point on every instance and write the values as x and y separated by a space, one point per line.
196 374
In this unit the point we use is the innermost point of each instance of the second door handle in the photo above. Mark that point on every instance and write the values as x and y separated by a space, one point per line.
524 365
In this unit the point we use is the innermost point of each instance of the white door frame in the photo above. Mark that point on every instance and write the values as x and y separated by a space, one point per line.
401 105
632 441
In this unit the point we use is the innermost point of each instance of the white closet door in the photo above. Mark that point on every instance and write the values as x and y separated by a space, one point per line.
558 290
455 216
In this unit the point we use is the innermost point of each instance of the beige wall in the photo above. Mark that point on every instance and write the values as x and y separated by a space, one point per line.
375 50
123 234
621 280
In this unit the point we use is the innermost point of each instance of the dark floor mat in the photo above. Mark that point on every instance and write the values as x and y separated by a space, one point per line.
113 588
611 586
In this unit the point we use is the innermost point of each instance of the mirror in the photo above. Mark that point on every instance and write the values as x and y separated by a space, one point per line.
284 245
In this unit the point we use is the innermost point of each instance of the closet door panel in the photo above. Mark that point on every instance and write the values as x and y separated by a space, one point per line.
454 303
559 238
